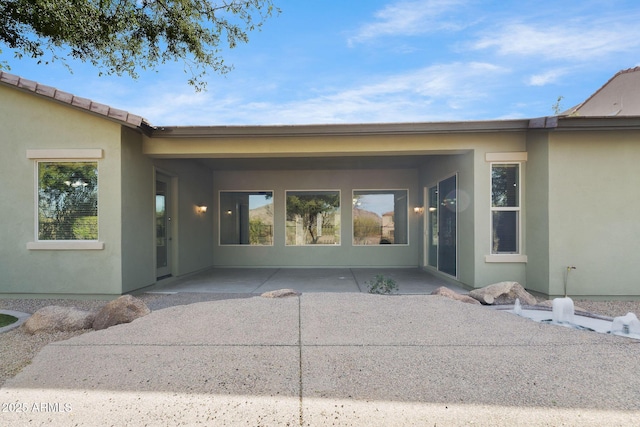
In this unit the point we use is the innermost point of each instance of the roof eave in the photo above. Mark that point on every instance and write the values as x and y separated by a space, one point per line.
84 104
363 129
598 123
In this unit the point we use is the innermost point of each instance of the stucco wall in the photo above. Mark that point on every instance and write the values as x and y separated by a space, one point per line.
537 200
31 122
593 212
345 254
193 240
438 168
474 221
138 239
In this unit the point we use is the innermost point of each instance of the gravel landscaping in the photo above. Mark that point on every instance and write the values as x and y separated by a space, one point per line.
17 348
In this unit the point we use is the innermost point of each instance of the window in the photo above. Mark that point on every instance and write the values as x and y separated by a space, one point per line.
380 217
505 208
246 218
67 201
313 218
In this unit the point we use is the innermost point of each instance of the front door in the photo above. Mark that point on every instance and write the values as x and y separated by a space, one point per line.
163 227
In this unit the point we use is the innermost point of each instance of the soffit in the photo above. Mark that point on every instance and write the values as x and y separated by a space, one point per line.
316 163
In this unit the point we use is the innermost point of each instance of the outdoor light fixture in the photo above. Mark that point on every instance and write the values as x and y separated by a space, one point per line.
418 209
229 212
201 209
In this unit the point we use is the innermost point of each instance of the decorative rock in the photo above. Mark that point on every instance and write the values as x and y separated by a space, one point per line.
54 318
446 292
281 293
503 293
125 309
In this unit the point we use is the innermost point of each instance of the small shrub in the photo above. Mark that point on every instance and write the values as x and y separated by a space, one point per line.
382 285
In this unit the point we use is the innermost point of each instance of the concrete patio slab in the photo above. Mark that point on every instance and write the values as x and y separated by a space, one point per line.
217 370
229 280
330 359
409 280
259 280
312 280
365 319
534 376
227 322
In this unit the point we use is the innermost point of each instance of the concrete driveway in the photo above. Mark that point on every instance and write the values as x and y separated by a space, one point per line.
330 359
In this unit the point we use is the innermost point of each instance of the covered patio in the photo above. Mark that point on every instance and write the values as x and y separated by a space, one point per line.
410 281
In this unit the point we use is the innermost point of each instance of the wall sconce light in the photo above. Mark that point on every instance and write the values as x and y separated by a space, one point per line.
432 209
418 209
229 212
201 209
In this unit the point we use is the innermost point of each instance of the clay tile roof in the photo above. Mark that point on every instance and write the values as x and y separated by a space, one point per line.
75 101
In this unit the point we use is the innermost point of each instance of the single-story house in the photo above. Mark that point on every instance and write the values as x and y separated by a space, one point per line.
99 202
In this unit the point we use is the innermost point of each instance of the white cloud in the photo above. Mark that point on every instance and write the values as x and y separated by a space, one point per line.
435 93
570 41
409 18
548 77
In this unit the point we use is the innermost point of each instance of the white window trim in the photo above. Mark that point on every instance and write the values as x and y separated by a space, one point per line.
322 245
62 155
70 154
506 158
65 245
408 217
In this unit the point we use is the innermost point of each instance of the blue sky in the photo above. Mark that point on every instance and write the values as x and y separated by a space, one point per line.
366 61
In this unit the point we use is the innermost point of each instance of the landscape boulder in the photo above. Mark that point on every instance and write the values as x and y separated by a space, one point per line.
446 292
281 293
503 293
54 318
125 309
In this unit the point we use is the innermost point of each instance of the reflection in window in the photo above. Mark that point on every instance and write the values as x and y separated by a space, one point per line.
380 217
432 225
246 218
313 218
67 201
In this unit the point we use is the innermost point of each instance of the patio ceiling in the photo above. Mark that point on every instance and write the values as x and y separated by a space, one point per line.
317 163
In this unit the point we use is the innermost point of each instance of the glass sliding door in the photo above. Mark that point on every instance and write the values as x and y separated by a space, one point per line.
447 226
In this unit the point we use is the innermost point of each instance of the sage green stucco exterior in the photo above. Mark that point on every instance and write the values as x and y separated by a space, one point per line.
579 196
29 122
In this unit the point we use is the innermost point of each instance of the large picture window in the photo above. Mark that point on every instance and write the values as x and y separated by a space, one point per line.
505 208
380 217
67 201
246 218
313 218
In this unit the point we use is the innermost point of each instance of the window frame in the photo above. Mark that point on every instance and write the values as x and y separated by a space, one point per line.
338 214
89 155
517 208
519 159
381 191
